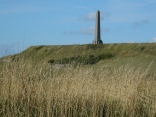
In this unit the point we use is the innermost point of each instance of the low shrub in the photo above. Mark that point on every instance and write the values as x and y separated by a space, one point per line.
90 59
51 61
106 56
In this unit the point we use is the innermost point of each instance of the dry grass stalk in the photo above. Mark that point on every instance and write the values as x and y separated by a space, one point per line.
38 90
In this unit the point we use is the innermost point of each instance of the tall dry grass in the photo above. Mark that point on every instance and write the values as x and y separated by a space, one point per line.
36 90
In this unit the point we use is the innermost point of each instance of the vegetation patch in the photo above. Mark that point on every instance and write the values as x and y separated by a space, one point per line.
38 48
104 51
90 59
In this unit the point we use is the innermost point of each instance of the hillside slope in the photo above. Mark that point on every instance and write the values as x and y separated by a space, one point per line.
140 55
39 53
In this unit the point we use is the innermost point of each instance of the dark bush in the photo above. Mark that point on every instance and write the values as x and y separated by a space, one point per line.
39 47
72 59
65 60
105 56
90 59
142 48
91 56
51 61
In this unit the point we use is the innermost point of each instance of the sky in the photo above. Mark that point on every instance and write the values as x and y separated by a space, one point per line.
25 23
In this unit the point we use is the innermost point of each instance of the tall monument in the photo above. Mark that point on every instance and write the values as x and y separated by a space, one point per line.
97 39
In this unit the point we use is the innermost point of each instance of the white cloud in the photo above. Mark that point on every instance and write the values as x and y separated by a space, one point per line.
88 31
91 30
154 39
131 42
140 23
92 15
105 30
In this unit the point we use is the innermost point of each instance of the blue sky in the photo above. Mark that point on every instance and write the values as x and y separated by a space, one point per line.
25 23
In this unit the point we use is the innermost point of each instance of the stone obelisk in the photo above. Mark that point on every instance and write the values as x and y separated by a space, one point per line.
97 39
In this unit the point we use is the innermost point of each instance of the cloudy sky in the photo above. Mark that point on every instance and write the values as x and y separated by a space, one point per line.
25 23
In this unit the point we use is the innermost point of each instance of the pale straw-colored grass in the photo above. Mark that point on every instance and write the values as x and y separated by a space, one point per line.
36 90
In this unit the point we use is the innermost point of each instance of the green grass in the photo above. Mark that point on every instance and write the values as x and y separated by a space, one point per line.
141 53
39 53
120 86
138 54
141 62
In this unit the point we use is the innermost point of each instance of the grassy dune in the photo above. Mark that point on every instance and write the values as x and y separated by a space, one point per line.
101 90
45 53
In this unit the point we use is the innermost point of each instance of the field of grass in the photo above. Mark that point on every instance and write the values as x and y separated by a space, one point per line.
45 53
119 87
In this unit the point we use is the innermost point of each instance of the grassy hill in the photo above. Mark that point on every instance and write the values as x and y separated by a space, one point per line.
122 83
137 54
39 53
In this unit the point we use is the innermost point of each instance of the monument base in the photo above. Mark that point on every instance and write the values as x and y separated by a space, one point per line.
97 41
